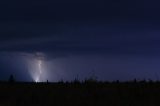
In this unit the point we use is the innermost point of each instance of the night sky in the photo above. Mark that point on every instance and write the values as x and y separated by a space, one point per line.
66 39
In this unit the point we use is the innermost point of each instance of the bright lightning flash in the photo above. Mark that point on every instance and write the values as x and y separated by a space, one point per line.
39 71
37 67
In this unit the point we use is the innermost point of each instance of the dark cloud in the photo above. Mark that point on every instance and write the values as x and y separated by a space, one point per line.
65 29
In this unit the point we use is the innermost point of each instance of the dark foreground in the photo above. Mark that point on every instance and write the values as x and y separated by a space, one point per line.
80 94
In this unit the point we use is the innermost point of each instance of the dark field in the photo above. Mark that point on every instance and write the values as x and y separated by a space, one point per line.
80 94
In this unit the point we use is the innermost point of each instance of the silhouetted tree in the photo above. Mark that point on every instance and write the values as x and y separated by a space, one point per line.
76 80
150 81
117 81
92 79
11 79
135 80
61 81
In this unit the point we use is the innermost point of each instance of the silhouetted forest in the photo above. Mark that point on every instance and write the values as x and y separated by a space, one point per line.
76 93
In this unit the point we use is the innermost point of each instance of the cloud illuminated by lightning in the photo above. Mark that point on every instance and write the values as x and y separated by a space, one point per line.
36 66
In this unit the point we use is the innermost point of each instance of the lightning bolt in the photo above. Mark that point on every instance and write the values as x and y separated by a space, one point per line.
40 70
40 66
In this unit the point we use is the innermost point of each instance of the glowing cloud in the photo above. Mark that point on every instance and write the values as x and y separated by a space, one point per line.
36 67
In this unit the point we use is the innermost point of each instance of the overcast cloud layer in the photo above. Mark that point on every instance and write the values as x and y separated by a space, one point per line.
117 39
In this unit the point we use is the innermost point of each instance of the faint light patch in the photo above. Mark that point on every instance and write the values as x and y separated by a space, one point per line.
37 79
